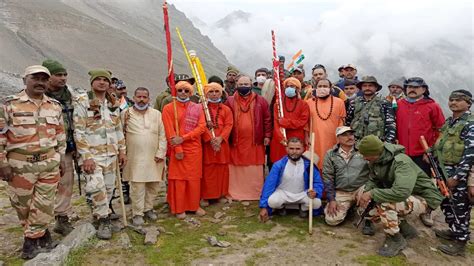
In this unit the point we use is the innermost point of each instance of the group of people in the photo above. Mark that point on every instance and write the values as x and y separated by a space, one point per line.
214 148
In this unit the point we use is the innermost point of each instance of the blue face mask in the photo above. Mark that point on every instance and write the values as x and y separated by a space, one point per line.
290 92
411 100
182 100
243 91
214 101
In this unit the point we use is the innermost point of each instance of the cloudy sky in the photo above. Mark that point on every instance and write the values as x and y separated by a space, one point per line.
374 35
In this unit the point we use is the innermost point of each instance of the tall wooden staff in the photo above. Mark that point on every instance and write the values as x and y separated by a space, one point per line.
170 65
311 172
277 81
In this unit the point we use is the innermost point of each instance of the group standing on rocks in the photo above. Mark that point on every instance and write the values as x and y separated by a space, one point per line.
215 148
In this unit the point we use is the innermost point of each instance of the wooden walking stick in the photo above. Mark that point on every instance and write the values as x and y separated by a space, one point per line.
118 180
311 172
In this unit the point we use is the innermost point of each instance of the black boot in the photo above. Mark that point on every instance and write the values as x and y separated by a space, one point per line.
444 234
393 245
46 242
282 212
126 192
454 248
368 228
62 226
407 230
30 248
427 218
104 231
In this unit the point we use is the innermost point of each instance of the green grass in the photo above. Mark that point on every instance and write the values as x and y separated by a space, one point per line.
470 249
80 202
253 259
76 257
15 230
375 260
260 243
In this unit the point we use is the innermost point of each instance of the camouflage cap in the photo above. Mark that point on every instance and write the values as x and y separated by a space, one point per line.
369 79
182 77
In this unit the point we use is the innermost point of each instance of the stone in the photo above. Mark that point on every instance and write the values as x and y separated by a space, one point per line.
137 229
102 244
161 229
212 240
151 236
246 203
80 235
2 263
223 244
225 208
192 221
222 232
229 226
409 253
9 219
218 215
215 221
125 241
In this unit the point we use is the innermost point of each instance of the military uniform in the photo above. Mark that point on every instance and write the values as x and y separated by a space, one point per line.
455 153
32 140
99 136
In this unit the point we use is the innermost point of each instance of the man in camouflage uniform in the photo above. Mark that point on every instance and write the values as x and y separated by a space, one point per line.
64 94
370 114
99 140
32 143
455 153
393 178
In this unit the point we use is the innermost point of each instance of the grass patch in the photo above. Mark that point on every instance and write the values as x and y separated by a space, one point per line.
260 243
350 245
12 261
253 259
342 252
77 256
14 230
470 248
80 202
374 260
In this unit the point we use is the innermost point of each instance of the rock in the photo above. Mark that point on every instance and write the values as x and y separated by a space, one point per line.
246 203
192 221
218 215
227 219
151 236
215 221
222 232
102 244
329 233
137 229
433 249
125 241
223 244
212 240
225 208
2 263
58 255
409 253
8 219
161 229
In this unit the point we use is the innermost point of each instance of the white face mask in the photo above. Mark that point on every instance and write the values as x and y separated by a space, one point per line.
322 92
261 79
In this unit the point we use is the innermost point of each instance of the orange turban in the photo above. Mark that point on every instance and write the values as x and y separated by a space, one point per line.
185 85
292 82
212 86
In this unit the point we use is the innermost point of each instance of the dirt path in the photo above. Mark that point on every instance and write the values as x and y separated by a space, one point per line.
282 241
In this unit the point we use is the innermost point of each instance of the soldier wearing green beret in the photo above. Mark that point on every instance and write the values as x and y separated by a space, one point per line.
393 179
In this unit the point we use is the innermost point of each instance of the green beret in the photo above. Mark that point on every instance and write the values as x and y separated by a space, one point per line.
54 66
370 145
95 73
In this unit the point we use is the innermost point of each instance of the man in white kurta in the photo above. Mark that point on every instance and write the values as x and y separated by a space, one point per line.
145 137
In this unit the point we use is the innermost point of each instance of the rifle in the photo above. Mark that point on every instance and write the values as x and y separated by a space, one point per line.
78 169
277 80
437 174
365 213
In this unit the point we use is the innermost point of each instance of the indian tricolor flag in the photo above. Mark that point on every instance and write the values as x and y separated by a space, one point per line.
295 60
123 103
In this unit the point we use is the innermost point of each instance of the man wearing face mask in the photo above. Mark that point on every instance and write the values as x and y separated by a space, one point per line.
295 118
185 165
261 75
216 150
251 133
370 114
318 73
327 112
146 141
288 183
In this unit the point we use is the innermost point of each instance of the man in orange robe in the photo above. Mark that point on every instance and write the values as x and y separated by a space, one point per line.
327 113
295 118
250 134
185 165
216 151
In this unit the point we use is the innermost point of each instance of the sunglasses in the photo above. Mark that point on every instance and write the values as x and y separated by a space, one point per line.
182 90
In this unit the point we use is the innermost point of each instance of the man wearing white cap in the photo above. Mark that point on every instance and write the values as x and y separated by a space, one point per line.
345 172
32 145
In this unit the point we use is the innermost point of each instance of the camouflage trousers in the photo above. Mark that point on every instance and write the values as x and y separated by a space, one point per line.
462 209
390 214
345 200
64 191
32 190
100 185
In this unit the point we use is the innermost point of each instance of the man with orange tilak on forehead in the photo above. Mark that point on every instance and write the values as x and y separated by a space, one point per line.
216 151
185 166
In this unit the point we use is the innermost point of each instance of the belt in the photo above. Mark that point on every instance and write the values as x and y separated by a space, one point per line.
32 158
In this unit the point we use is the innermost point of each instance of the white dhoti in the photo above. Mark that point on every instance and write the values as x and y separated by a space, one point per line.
280 198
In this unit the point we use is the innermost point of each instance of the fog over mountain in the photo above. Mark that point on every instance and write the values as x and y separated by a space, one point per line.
387 39
126 37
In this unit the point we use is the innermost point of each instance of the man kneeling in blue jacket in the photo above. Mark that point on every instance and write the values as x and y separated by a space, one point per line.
288 183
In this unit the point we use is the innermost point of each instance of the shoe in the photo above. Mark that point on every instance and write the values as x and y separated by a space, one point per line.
303 214
392 245
282 212
407 230
200 212
46 242
444 234
126 193
455 248
223 200
368 228
426 218
137 220
104 231
62 226
181 216
204 203
30 248
151 215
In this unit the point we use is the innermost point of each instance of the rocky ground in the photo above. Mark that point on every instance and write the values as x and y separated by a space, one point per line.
238 239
